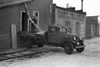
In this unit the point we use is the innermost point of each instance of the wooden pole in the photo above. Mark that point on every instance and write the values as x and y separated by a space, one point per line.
14 36
27 11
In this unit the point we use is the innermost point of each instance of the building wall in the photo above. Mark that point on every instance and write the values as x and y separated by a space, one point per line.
12 15
70 18
88 30
99 28
92 27
9 15
43 6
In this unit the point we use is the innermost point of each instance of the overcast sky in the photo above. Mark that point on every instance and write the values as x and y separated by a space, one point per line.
92 7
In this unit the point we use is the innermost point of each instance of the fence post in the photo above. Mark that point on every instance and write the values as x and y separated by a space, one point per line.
13 36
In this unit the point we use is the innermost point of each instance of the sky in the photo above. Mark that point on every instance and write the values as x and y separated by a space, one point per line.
91 7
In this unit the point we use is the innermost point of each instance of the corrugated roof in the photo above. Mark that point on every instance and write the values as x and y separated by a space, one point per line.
5 3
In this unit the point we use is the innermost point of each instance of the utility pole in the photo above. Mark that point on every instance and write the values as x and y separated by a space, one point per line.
82 5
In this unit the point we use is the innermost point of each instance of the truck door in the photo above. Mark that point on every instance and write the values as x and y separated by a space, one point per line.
53 35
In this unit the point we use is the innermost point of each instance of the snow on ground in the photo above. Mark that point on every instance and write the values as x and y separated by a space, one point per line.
57 58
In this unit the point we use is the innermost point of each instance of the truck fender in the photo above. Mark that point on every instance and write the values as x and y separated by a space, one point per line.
63 44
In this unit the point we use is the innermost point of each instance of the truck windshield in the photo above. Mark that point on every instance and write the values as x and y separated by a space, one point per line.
63 30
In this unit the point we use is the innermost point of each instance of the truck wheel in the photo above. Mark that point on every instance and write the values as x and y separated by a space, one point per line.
68 47
80 49
40 45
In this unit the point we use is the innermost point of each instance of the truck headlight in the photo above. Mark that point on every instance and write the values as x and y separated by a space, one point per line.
78 43
74 38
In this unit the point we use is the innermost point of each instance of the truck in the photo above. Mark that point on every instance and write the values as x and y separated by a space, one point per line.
56 36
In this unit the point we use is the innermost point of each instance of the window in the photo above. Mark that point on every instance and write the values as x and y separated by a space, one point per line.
53 29
50 8
36 16
62 29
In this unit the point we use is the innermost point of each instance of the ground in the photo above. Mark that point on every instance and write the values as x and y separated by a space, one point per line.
57 58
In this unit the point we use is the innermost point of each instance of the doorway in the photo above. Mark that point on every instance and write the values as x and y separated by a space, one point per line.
77 28
24 21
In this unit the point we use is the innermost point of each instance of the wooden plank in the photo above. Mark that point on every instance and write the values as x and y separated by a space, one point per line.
14 36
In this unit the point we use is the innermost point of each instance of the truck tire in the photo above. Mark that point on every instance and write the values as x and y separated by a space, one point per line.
68 48
40 45
80 49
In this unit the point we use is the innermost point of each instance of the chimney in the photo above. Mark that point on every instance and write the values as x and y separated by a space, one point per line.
82 5
67 5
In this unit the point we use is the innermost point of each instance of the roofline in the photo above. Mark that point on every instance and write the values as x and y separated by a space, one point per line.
64 8
14 3
93 16
72 9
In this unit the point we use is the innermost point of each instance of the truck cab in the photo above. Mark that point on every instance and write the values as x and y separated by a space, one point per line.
56 34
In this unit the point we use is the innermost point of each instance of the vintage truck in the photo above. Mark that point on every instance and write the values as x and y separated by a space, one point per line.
56 36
